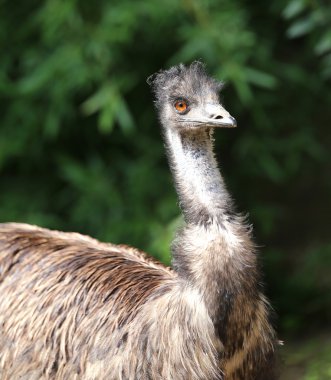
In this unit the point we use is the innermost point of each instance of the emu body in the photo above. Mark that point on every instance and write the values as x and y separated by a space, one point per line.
74 308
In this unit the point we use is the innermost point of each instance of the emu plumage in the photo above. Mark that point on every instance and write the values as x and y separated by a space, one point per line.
74 308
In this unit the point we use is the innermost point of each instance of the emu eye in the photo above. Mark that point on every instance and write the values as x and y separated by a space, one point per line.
181 106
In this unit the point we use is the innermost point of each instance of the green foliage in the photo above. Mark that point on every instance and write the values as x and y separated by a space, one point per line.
310 19
308 359
80 148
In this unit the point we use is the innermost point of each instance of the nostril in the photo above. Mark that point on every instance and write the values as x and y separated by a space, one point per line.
218 117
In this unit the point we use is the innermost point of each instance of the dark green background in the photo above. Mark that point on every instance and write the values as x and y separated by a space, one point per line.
80 145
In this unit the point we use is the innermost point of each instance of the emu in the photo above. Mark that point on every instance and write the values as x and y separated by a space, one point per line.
75 308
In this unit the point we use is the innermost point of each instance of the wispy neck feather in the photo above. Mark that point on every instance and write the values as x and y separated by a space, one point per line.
214 255
213 251
202 194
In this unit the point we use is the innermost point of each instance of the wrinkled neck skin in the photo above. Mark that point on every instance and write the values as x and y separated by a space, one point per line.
213 252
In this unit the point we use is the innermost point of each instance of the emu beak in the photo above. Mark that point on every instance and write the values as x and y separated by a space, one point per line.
212 116
225 122
219 117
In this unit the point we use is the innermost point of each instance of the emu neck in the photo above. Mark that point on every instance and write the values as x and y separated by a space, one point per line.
200 187
213 252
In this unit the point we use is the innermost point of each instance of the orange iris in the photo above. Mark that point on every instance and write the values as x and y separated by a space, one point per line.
181 105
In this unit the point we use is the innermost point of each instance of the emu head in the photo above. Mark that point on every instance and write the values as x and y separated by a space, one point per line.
187 98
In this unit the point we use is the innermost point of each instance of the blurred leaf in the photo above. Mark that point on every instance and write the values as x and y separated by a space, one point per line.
294 8
271 168
124 117
260 79
100 99
324 45
301 27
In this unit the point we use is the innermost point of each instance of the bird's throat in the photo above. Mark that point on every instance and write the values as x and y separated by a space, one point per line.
213 251
202 194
